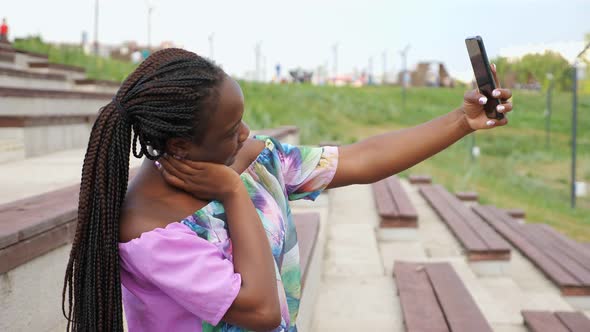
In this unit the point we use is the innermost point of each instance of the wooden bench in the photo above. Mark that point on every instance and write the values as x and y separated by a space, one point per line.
516 213
467 196
33 226
420 179
308 228
480 241
562 260
433 298
560 321
393 204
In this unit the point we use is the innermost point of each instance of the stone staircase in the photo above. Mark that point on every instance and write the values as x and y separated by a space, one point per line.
45 107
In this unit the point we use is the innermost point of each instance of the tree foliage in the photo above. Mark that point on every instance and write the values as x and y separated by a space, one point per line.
537 68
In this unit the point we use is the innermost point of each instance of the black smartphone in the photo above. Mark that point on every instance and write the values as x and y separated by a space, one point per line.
483 75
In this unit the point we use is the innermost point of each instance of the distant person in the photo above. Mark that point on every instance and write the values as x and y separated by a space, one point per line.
4 31
162 244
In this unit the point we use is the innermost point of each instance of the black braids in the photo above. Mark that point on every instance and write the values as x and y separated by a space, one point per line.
170 94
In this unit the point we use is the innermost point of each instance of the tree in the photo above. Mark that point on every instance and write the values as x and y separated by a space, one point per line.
535 67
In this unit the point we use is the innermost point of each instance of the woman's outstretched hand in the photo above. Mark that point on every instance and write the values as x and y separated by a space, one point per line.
473 102
201 179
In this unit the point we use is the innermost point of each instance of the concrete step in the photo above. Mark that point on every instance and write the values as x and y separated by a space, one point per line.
18 78
72 73
17 101
11 150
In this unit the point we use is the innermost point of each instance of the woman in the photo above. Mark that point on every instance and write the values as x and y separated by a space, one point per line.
178 269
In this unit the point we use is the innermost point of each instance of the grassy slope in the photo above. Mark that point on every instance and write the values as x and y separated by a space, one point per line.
514 170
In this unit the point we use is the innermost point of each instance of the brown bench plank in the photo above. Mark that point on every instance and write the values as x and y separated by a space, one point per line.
30 216
558 253
402 201
462 231
573 248
467 196
53 94
461 311
385 205
307 226
420 308
393 204
487 234
33 226
574 321
543 321
512 232
24 251
516 213
420 179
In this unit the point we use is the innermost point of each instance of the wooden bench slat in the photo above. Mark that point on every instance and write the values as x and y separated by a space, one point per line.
558 254
404 205
385 205
486 233
575 249
461 311
574 321
420 307
463 232
543 321
420 179
511 231
30 216
307 226
23 251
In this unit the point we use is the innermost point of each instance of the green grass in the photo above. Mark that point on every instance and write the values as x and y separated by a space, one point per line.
515 168
96 67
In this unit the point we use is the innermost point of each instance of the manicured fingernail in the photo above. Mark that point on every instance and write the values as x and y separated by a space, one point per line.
496 93
176 156
494 65
158 165
490 123
483 100
500 108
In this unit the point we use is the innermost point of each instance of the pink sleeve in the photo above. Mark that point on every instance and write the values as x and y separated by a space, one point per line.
189 269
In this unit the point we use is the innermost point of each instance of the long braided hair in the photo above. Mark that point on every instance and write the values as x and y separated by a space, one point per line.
171 94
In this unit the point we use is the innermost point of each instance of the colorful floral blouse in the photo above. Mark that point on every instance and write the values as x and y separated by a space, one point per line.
181 277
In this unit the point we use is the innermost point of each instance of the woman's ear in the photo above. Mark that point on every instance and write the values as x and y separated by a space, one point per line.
178 147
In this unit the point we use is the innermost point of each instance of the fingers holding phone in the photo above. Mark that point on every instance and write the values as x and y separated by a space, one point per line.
485 107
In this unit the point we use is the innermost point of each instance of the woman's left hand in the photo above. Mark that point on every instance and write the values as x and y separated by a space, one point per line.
473 102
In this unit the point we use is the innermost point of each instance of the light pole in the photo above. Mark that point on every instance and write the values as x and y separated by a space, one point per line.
548 111
384 59
257 53
404 54
575 123
96 27
150 9
370 71
211 36
335 50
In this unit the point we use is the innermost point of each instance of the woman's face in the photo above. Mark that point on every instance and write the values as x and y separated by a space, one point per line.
226 132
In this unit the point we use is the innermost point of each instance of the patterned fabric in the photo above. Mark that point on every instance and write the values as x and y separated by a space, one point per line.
280 173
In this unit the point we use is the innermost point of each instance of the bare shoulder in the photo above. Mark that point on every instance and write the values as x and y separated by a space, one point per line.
253 147
249 152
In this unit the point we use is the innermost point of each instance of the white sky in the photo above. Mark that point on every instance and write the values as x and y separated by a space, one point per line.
302 32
